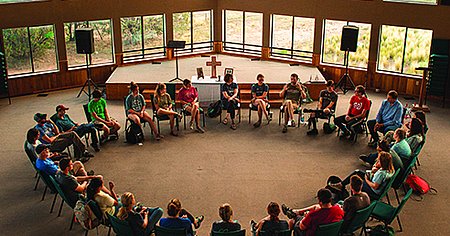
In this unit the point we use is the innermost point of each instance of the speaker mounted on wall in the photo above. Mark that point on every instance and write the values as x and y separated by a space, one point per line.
84 39
349 40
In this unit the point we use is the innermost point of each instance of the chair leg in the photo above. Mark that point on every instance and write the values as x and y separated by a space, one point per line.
184 120
37 182
36 175
53 203
249 115
86 232
399 224
418 162
72 219
60 207
159 131
177 123
204 122
109 231
239 112
45 191
279 118
396 196
388 200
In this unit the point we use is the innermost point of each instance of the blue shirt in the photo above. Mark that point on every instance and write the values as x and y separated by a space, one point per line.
47 166
46 129
177 223
390 115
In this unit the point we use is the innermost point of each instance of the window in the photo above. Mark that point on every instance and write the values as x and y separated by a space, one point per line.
403 49
431 2
292 37
19 1
243 31
103 44
30 49
143 37
195 28
331 44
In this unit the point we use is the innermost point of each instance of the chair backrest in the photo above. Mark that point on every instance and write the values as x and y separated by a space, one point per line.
152 97
360 218
120 227
387 187
86 113
418 149
286 232
125 105
59 190
400 206
368 111
46 178
171 89
332 229
404 174
162 231
232 233
31 153
95 208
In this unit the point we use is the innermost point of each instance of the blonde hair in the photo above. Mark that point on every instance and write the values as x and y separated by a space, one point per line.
127 204
386 162
158 89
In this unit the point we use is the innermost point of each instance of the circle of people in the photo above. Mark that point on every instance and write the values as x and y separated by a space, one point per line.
50 137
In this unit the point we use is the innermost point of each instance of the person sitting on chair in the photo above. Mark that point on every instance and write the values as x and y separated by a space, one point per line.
292 94
106 199
135 107
415 134
230 100
259 99
188 97
305 221
359 105
227 224
163 105
100 116
389 117
66 124
270 223
49 134
384 146
180 218
327 100
357 201
142 220
33 142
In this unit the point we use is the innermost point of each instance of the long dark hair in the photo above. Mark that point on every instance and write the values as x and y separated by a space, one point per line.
273 209
416 127
93 187
31 135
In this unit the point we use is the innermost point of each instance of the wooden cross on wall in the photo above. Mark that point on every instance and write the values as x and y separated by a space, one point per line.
213 63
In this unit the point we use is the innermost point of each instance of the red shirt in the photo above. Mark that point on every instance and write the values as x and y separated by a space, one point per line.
322 216
187 95
358 105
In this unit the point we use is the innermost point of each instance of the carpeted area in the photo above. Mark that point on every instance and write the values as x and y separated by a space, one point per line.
247 168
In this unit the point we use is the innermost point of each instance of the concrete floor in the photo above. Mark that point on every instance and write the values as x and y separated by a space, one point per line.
247 168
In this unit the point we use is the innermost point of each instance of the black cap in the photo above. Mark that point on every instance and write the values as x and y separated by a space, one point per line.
39 116
41 147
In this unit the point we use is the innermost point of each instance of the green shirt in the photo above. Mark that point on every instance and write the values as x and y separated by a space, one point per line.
293 93
64 123
97 107
164 101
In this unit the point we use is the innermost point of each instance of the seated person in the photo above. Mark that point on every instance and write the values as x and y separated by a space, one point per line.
327 100
33 141
180 218
135 108
357 201
188 97
44 163
292 95
142 220
421 116
415 135
270 223
71 174
401 146
163 105
230 99
383 146
389 117
359 105
100 116
49 134
66 124
106 199
259 99
305 221
227 224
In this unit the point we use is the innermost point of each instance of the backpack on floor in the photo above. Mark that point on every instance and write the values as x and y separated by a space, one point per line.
134 134
419 185
85 216
214 109
338 192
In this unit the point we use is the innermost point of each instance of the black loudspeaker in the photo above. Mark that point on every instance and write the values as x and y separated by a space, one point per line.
445 2
84 40
349 40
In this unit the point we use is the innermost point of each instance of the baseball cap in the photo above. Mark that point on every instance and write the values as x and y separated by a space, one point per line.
39 116
61 107
41 147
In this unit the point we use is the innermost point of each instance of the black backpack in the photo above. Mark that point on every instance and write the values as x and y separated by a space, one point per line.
338 192
214 109
134 134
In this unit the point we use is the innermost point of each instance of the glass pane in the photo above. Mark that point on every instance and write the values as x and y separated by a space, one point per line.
17 50
13 1
304 34
332 42
182 27
103 41
131 33
201 21
360 58
414 1
154 32
390 53
73 59
417 54
233 26
253 28
43 48
282 33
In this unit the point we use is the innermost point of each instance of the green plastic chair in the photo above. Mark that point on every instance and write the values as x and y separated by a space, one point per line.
332 229
32 156
232 233
120 227
359 220
286 232
387 213
162 231
64 199
401 178
386 188
48 185
417 152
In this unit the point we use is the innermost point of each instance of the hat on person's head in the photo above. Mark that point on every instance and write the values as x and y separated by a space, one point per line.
324 195
41 147
39 116
61 107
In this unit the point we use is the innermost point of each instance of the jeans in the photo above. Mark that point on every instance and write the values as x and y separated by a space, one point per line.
365 188
230 106
346 126
154 214
83 129
374 134
64 140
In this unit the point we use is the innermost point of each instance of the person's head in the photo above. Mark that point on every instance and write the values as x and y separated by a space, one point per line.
273 209
416 127
294 78
160 89
187 83
260 78
360 91
330 85
228 78
399 134
40 118
94 187
392 96
383 146
385 159
356 183
225 212
421 116
61 109
128 201
43 151
174 207
324 196
96 95
134 88
65 164
32 135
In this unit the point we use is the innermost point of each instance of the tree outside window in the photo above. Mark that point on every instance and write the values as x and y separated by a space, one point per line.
243 31
195 28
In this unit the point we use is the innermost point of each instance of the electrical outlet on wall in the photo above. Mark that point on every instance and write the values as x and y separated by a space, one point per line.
417 83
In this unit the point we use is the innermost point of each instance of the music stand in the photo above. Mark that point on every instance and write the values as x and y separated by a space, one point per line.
175 45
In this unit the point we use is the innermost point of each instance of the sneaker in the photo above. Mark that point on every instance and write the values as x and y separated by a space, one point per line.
200 130
292 123
344 134
289 124
288 211
269 119
87 154
90 173
174 133
233 126
191 125
372 144
363 159
284 129
253 225
140 144
199 221
312 132
257 124
95 147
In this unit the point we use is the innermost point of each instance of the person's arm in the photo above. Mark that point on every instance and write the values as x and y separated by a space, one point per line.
397 119
283 91
155 103
144 225
112 193
235 93
373 185
55 128
302 91
309 208
81 187
48 139
319 105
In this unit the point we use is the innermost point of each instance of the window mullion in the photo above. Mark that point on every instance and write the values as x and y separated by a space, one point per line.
404 50
243 31
192 32
142 37
31 49
292 36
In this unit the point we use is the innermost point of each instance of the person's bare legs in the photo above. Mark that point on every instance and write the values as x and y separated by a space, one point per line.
171 115
149 119
263 105
106 131
115 127
78 169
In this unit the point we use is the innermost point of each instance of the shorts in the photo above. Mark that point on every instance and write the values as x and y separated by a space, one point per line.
293 102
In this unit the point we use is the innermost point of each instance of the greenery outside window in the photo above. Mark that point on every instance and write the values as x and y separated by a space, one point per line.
242 31
429 2
196 28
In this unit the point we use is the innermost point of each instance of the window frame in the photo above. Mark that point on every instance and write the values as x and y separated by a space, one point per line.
243 44
435 3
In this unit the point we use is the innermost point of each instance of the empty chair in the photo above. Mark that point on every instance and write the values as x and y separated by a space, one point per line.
387 213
